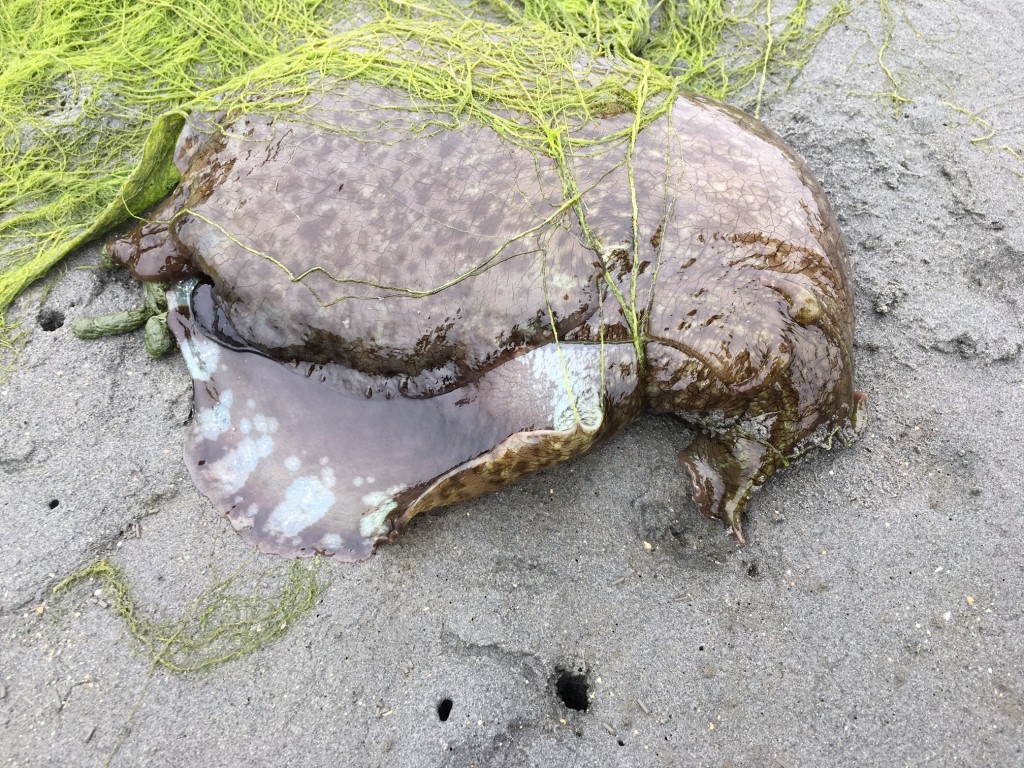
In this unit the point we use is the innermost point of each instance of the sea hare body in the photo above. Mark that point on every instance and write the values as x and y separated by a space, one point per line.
386 311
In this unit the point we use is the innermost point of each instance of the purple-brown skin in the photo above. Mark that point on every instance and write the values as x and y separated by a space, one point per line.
448 325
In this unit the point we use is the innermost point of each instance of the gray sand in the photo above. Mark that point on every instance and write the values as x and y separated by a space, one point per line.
874 618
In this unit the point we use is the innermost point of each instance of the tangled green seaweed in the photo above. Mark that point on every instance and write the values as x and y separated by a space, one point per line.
82 81
222 623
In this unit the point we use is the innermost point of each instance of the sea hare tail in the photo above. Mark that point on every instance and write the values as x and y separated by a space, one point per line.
726 469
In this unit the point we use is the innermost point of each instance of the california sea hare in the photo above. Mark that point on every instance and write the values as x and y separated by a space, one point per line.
386 311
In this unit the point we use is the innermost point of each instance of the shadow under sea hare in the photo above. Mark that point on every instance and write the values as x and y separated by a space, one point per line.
386 310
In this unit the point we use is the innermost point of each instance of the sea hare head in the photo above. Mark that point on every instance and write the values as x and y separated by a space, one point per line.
395 311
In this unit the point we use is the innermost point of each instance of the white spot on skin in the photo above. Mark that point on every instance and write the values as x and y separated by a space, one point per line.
245 426
357 481
201 357
292 464
376 498
569 378
229 473
215 421
381 504
265 425
331 542
371 525
306 501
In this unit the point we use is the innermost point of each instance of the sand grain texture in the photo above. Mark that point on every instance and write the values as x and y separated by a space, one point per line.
874 619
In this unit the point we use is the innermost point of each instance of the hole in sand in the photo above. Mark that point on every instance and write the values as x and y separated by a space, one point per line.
572 689
50 319
444 709
54 503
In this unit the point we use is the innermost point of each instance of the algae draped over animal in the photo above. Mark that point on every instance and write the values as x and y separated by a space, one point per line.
83 82
429 279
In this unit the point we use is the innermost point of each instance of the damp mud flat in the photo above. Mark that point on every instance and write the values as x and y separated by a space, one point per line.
871 618
386 310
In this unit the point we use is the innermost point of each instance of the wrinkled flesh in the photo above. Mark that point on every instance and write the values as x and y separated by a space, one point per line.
448 292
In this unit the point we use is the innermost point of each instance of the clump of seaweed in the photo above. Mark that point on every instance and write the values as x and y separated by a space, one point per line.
224 622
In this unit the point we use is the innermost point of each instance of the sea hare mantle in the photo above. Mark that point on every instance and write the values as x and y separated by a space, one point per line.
384 314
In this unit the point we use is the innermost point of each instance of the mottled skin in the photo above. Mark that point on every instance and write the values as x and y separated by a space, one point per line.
414 264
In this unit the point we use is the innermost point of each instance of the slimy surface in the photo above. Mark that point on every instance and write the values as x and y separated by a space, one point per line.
302 462
397 311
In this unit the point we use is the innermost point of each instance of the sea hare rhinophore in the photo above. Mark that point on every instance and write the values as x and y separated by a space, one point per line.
386 312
